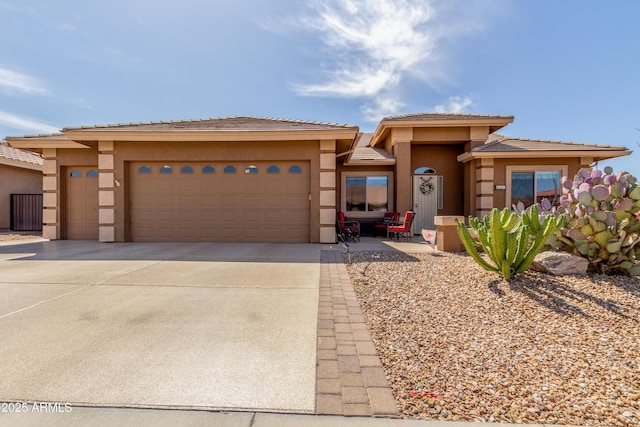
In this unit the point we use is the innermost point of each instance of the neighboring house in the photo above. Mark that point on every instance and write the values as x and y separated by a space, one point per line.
20 173
251 179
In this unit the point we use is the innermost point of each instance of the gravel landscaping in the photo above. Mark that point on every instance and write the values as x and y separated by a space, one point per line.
459 343
10 236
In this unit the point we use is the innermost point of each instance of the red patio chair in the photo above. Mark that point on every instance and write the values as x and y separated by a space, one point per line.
388 218
348 228
404 229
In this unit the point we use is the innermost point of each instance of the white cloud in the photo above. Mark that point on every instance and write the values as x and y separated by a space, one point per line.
455 104
25 123
374 45
381 106
11 81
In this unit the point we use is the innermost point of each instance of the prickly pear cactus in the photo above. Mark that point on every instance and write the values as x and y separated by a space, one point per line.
603 211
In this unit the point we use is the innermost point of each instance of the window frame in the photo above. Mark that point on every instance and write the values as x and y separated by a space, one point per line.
366 214
563 169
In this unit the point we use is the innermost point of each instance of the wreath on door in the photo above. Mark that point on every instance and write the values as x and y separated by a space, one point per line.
427 186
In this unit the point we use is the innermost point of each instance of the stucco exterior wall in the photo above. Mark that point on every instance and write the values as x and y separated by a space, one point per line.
442 158
16 181
500 172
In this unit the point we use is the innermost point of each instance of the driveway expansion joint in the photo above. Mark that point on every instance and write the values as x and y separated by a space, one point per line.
350 379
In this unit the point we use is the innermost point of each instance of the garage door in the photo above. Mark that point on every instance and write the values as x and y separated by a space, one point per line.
82 203
221 202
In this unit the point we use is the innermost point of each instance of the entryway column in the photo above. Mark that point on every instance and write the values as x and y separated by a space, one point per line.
484 187
328 191
51 195
106 195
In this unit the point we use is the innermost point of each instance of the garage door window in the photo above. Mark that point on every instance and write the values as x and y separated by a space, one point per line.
144 169
273 169
92 173
75 174
208 169
166 169
186 169
229 169
295 169
251 169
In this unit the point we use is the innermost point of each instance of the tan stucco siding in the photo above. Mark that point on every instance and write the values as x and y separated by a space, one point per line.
500 172
16 181
442 158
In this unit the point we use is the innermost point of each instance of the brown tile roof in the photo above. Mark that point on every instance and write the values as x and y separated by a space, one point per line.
502 143
11 153
245 123
444 116
365 153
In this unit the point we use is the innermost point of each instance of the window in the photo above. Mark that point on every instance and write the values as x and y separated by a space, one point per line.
424 170
229 169
166 169
531 187
367 193
273 169
92 173
144 169
186 169
295 169
208 169
75 173
251 169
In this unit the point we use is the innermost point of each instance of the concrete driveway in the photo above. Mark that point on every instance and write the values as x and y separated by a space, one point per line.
191 325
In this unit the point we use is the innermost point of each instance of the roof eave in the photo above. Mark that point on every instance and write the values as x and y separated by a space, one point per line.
595 154
372 162
208 135
494 123
20 164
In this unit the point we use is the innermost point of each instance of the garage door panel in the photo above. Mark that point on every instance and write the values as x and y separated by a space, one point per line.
218 206
81 207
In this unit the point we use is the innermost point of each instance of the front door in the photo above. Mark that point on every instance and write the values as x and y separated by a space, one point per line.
425 202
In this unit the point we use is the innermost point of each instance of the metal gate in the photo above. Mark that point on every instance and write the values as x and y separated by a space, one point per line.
26 212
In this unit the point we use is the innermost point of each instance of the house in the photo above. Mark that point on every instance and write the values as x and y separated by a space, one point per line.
21 176
254 179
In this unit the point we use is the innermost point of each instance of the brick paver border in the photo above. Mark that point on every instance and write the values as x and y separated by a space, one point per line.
350 379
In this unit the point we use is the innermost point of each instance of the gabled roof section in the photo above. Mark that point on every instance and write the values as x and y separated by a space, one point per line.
240 123
444 116
439 120
19 158
363 154
501 146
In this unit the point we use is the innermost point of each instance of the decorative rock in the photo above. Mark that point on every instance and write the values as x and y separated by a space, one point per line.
560 263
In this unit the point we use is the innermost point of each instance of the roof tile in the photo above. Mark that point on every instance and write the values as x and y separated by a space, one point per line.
502 143
222 123
19 155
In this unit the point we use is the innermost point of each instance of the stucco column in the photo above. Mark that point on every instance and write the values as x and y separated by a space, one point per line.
484 187
402 153
106 195
51 195
328 191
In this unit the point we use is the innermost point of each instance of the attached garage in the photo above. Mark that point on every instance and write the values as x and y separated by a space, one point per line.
226 179
81 203
251 201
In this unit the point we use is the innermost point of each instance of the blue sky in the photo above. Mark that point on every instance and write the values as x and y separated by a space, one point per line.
567 70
